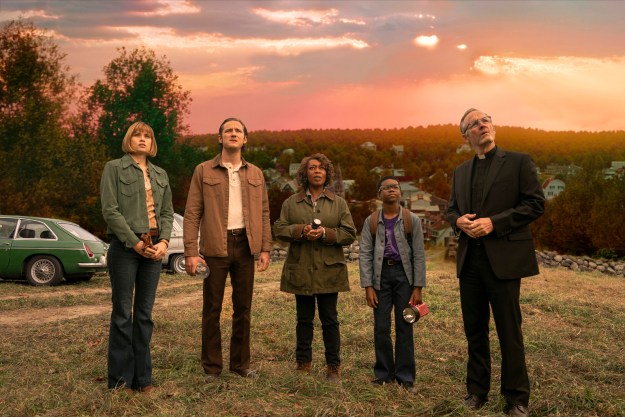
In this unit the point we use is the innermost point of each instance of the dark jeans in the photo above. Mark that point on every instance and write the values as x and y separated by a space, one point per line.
129 359
394 294
328 314
240 265
481 290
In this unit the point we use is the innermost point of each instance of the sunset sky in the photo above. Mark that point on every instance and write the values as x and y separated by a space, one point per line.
278 65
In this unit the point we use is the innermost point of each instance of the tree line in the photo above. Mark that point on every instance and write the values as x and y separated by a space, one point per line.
56 136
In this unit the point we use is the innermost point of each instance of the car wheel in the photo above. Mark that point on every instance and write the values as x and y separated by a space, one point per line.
44 270
177 264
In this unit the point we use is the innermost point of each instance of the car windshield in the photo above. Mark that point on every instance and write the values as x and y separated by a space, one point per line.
78 231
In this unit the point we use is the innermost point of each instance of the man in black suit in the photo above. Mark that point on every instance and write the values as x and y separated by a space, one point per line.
494 198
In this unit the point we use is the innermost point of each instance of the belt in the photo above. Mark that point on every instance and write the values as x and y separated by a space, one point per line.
391 262
236 232
151 232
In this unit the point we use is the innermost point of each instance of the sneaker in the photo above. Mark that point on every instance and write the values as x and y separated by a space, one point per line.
409 387
378 381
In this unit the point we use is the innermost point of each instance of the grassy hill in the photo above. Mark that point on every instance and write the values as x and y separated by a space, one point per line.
53 352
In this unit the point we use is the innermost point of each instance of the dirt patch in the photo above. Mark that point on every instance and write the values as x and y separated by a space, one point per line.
38 316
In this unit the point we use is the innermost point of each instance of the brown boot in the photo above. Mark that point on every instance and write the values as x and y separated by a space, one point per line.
304 366
333 374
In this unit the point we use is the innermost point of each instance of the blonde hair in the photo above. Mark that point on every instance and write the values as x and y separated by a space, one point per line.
132 130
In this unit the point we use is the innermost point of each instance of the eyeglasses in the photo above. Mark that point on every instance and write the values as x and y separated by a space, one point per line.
484 120
389 187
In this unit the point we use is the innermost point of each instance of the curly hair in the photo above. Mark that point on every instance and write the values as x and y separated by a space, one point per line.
302 171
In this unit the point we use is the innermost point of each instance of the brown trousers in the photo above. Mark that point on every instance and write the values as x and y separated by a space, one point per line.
240 265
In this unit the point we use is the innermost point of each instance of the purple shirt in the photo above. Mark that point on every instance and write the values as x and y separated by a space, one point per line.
390 246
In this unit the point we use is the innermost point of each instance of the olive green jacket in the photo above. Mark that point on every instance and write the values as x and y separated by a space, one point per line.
124 209
315 266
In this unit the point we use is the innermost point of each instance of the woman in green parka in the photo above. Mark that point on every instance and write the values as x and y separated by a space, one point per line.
317 224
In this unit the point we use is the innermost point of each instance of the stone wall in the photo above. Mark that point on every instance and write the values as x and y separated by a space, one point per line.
546 258
580 263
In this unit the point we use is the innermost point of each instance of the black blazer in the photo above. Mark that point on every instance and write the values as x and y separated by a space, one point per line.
513 198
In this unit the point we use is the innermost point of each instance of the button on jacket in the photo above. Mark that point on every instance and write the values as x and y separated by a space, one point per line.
370 258
315 266
207 209
124 208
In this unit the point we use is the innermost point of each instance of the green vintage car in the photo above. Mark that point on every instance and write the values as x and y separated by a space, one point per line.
45 250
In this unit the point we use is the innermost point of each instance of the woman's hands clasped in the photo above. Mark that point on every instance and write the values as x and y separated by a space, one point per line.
154 252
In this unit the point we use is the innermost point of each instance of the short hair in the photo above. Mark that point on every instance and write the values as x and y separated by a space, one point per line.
388 177
463 127
132 130
221 130
302 171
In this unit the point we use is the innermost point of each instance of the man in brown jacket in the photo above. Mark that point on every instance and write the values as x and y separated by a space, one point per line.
228 203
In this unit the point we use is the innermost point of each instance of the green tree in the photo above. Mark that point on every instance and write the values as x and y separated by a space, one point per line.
139 86
43 166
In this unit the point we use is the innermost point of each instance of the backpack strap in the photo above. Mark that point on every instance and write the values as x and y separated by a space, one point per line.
373 223
406 214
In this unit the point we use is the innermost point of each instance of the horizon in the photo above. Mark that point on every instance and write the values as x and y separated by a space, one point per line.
293 65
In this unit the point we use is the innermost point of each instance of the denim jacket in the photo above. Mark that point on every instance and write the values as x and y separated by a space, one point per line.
370 258
124 208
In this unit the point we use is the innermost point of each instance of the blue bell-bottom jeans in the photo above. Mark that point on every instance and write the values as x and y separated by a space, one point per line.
129 359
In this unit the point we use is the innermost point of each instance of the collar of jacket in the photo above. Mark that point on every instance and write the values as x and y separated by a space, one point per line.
216 162
127 161
302 195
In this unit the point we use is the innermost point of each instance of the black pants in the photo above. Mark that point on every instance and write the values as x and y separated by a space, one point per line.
305 305
479 289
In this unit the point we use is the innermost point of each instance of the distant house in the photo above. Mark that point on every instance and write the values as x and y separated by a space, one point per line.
464 148
381 171
293 167
369 145
616 169
398 149
552 187
289 186
439 231
562 170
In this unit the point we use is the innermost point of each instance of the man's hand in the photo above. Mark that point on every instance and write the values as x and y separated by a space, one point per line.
475 228
190 263
372 297
417 296
263 261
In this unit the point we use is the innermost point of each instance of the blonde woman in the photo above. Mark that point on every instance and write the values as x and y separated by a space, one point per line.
137 208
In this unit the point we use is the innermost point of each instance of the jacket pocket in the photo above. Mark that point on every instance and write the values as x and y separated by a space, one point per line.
255 189
211 181
162 184
295 276
129 185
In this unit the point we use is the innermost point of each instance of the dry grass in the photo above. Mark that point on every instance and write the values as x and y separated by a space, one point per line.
51 366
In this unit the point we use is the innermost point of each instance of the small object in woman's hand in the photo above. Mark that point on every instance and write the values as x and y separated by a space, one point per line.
147 241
